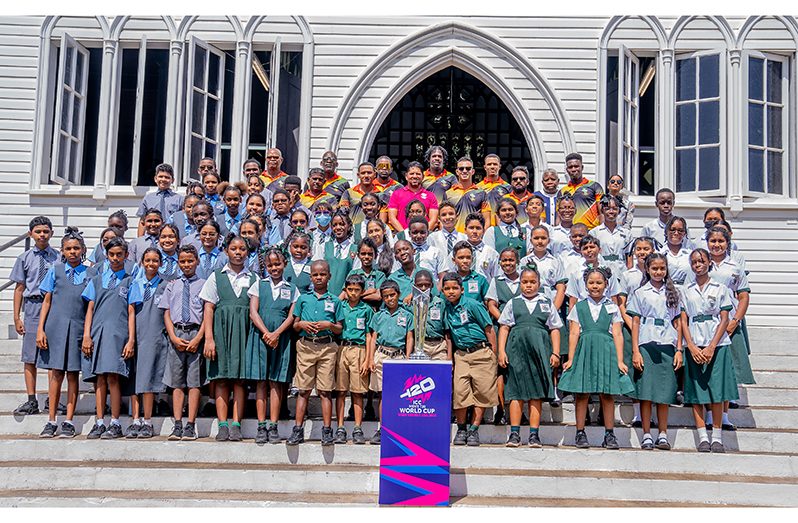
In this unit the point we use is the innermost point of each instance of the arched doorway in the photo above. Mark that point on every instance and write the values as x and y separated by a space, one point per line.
454 109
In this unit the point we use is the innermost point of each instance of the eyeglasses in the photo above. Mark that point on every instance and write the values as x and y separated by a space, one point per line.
328 159
676 231
464 168
280 200
615 182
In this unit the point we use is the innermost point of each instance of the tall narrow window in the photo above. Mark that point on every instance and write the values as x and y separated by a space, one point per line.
767 91
628 116
699 120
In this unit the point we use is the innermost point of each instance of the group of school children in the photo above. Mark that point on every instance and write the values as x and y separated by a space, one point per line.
219 291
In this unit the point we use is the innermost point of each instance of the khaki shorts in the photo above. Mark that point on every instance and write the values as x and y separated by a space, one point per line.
315 365
475 379
436 350
347 369
375 382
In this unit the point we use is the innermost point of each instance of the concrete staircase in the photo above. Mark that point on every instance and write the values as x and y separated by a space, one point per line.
760 469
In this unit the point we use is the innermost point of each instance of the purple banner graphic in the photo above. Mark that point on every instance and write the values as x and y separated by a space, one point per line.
416 428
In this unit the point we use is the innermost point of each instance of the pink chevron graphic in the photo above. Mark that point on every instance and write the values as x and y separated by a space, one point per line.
437 494
417 456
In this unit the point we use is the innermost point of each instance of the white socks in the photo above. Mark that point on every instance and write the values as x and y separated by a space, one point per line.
708 419
717 435
726 419
702 434
637 412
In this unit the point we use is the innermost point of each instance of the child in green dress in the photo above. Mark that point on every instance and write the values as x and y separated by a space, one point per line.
595 356
226 328
297 270
529 347
271 307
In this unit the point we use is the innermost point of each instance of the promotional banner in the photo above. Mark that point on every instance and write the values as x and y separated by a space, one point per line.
416 429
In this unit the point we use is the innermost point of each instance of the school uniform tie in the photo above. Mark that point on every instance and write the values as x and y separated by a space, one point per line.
162 203
511 230
170 266
42 267
113 282
450 242
337 250
147 291
73 275
185 311
206 261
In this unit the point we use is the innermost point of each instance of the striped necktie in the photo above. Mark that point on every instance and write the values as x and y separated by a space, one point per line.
72 274
450 242
511 230
185 310
337 250
147 291
206 261
162 203
42 267
113 281
170 266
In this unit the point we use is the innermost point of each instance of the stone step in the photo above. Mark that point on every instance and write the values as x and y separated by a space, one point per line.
781 379
744 440
767 362
146 498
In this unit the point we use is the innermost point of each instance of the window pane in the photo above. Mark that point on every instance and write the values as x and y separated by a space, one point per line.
709 168
685 79
127 116
213 74
210 126
77 105
709 122
66 101
685 170
196 152
197 111
774 81
72 170
199 67
775 172
63 153
774 127
92 119
289 105
153 114
709 76
756 178
755 89
79 73
210 151
685 124
69 69
756 124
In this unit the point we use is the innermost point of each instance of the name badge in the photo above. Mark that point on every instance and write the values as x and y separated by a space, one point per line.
285 294
369 284
306 269
360 323
611 308
473 287
435 314
545 307
463 317
329 306
157 300
401 321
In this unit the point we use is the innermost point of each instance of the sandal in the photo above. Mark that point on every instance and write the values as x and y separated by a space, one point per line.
647 443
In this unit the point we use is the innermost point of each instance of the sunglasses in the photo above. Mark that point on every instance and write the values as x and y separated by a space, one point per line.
464 168
615 182
518 179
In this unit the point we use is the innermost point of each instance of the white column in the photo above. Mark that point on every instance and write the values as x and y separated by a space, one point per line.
171 134
305 103
108 88
665 154
734 148
239 137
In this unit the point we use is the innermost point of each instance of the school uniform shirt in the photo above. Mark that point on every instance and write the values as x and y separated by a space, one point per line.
210 261
527 228
493 294
356 322
560 240
31 267
701 241
194 239
549 207
511 230
166 201
373 280
280 290
571 261
253 262
631 280
392 327
656 229
137 246
613 244
360 231
550 269
140 287
731 275
404 281
703 307
430 258
466 322
90 293
229 224
595 309
553 321
656 319
169 267
96 255
435 317
485 261
340 250
239 281
520 202
76 275
180 221
444 240
678 264
311 306
267 201
216 202
578 289
177 299
280 228
319 237
475 286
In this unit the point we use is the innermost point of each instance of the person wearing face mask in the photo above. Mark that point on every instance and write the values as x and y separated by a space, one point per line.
322 217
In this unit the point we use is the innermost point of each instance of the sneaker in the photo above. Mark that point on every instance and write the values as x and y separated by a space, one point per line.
610 441
473 438
49 430
274 436
717 447
647 443
513 440
704 446
581 440
262 437
297 436
113 432
662 443
223 434
177 431
132 431
728 426
376 438
534 440
460 437
67 430
340 435
235 432
358 438
27 408
146 431
96 431
189 432
327 437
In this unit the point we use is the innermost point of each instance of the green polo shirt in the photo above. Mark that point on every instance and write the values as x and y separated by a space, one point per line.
356 322
435 318
404 281
466 322
392 329
373 280
475 286
312 307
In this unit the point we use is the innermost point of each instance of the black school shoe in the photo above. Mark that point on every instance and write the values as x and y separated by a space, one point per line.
610 441
580 440
460 438
729 427
28 408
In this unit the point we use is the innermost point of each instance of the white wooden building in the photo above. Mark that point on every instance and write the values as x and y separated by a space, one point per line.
90 104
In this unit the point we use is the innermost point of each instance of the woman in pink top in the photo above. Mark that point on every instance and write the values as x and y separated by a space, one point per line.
412 191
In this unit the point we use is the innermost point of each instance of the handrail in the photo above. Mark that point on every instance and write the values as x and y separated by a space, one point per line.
24 236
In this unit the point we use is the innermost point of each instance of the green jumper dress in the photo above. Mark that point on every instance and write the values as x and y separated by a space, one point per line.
503 294
502 241
657 383
263 362
302 280
713 382
230 329
595 366
739 349
528 350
